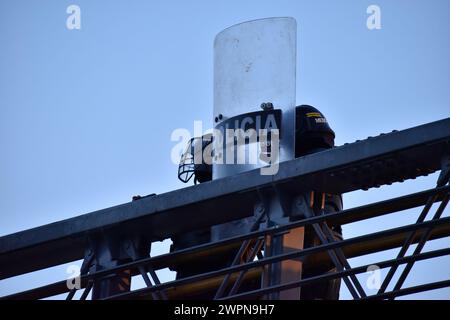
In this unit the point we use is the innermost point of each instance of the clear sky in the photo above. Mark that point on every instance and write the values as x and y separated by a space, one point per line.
86 115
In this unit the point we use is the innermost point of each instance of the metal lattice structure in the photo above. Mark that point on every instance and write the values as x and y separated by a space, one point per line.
127 230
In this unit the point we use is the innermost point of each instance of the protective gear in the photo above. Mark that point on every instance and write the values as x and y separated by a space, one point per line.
195 162
312 131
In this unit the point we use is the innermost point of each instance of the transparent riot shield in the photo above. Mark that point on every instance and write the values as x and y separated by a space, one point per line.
254 63
254 88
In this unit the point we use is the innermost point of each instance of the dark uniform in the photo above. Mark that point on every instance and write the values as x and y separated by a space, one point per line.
313 134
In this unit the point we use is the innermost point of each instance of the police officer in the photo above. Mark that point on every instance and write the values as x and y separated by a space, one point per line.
313 134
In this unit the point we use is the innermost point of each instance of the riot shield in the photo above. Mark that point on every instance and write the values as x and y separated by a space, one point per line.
254 63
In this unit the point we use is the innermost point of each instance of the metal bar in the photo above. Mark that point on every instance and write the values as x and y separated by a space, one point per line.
156 281
236 260
412 290
334 275
83 270
251 256
87 290
340 255
337 257
71 294
147 281
421 244
419 148
131 246
406 244
244 246
112 284
336 262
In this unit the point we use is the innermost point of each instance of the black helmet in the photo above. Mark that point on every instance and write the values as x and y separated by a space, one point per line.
312 131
